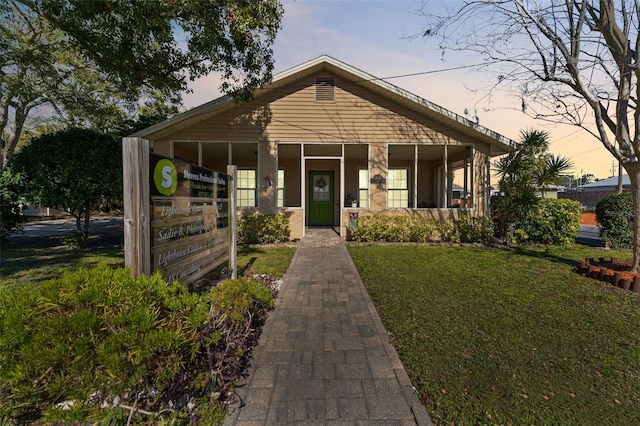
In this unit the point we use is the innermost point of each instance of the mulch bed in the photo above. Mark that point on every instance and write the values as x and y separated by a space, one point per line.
587 218
613 271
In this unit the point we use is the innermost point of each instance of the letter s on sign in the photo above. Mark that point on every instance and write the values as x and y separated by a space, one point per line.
165 176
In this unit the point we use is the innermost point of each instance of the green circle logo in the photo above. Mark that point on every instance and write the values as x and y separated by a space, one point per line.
165 177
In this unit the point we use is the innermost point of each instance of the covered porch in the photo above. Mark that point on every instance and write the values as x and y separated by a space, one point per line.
319 184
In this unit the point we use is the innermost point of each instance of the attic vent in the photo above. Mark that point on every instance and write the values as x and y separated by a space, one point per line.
324 88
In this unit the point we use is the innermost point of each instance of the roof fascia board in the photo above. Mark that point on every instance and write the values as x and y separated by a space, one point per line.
185 119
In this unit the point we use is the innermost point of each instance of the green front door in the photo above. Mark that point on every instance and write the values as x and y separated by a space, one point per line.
320 198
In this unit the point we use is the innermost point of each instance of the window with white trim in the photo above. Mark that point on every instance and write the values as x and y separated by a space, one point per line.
280 189
398 188
363 188
246 192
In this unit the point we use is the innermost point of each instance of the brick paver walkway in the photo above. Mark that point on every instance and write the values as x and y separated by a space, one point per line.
324 356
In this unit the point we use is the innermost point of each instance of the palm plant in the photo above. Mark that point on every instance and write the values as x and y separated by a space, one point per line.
524 176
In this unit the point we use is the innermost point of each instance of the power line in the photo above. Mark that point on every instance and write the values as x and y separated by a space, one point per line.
591 150
430 72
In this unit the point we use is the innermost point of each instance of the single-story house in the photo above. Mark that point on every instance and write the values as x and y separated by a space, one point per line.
324 139
589 195
609 185
551 191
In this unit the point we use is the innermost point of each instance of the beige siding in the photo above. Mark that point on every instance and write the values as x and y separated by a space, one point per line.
293 115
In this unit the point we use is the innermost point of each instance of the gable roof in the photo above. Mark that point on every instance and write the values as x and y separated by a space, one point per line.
499 144
607 183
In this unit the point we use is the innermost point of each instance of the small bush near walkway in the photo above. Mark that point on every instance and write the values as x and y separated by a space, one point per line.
498 337
263 229
100 345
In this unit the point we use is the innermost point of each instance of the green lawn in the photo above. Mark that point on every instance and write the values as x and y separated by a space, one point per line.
270 260
493 336
32 265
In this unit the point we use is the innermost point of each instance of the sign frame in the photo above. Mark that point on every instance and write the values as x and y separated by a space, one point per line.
177 215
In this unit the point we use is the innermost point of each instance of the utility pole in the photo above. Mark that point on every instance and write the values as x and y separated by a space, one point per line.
619 177
581 175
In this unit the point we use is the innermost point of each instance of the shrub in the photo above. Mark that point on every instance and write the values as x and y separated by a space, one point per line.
11 220
615 215
96 336
550 221
473 229
263 229
401 229
383 228
77 170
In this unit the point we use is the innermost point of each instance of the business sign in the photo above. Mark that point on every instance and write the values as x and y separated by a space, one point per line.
189 218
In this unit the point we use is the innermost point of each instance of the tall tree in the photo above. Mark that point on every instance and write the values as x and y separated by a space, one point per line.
40 69
80 57
152 111
164 44
570 61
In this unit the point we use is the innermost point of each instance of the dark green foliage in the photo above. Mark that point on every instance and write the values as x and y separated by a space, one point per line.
76 170
154 111
550 221
11 217
163 44
92 335
263 229
615 215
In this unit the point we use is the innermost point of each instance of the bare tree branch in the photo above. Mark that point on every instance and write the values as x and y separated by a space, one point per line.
569 61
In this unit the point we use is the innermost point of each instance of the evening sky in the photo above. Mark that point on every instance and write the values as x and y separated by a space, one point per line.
378 37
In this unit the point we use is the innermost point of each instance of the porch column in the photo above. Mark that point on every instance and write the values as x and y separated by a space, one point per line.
267 175
379 164
341 191
415 176
446 177
465 189
487 191
472 169
303 192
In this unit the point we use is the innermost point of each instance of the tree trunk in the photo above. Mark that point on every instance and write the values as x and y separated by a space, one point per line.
634 175
82 224
87 216
78 232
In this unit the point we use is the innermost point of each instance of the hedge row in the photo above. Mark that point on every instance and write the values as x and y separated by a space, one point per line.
418 229
550 221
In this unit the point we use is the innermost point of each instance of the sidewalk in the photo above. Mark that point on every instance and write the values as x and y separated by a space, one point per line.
324 356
